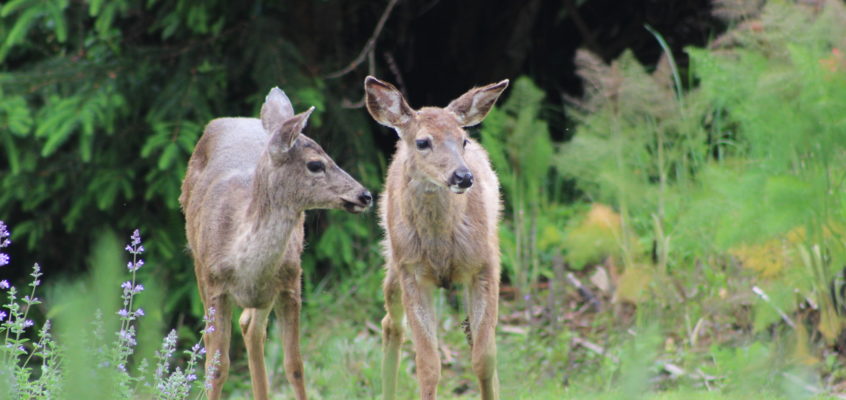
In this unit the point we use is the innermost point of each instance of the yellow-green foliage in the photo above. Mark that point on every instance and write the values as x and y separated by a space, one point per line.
593 237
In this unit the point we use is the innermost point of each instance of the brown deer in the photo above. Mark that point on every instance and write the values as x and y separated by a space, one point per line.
440 211
247 186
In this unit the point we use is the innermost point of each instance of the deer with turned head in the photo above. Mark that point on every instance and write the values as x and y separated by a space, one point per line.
440 211
248 184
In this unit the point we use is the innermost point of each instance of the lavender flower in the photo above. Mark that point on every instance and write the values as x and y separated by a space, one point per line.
4 284
4 242
2 315
135 247
209 320
4 234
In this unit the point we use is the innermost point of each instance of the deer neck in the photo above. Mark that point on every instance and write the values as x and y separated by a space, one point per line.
433 209
269 220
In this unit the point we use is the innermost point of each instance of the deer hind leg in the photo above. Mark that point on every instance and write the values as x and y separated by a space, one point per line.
287 308
482 307
253 323
417 300
391 334
217 341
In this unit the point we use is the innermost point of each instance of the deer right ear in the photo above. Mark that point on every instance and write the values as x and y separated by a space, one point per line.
284 137
276 110
386 104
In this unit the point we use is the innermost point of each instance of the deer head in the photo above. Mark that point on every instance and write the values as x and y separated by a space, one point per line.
434 137
298 173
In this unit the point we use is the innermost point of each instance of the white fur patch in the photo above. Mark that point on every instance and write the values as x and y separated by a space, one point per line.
458 189
395 108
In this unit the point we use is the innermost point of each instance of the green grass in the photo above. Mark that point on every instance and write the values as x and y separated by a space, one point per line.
341 346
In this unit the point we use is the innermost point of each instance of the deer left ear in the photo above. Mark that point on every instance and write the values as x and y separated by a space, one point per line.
386 104
472 107
283 139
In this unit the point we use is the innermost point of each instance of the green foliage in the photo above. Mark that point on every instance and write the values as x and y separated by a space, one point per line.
521 151
733 184
101 103
90 350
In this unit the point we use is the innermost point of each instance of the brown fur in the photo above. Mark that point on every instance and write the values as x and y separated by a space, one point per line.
437 236
244 196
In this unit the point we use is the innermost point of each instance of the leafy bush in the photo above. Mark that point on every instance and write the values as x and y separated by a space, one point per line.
521 151
101 103
731 187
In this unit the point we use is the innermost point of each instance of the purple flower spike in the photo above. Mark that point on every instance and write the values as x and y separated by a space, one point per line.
136 237
4 230
135 247
4 259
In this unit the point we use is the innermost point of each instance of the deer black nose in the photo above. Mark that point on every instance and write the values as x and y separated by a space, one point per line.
365 198
463 178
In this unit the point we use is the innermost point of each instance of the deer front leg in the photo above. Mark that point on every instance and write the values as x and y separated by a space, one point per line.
483 304
253 323
217 341
417 300
391 334
287 310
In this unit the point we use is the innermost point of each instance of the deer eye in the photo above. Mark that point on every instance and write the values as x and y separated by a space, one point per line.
423 144
316 166
466 142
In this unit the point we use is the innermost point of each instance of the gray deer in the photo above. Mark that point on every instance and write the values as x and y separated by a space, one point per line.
247 186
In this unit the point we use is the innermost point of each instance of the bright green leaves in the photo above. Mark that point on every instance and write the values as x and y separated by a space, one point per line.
15 118
171 141
96 109
518 141
520 149
105 12
17 18
193 16
169 145
15 115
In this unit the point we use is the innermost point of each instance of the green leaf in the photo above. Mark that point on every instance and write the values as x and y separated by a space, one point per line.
21 27
58 17
13 6
12 153
86 144
169 154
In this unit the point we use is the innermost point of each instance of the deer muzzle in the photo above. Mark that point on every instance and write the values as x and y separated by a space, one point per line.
362 202
461 180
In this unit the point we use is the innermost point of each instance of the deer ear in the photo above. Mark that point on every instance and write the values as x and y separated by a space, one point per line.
472 107
276 110
386 104
287 133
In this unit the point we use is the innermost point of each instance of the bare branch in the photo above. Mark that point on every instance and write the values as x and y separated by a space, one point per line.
371 43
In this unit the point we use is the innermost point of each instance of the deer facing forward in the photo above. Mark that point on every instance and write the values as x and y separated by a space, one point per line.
440 211
247 186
